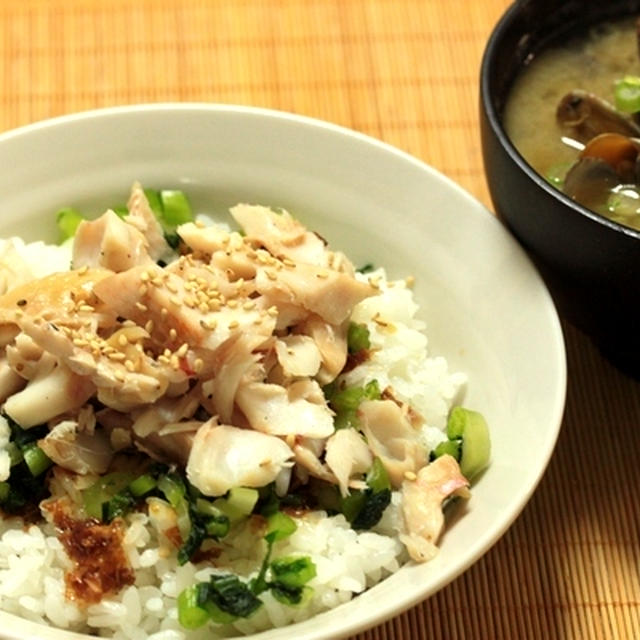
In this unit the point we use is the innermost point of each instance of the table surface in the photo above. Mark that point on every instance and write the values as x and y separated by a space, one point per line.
405 72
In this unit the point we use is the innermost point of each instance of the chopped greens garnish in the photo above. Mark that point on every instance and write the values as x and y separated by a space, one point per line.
25 487
357 337
366 268
364 508
467 441
171 208
448 447
225 597
68 220
626 92
198 517
292 571
175 208
98 496
345 402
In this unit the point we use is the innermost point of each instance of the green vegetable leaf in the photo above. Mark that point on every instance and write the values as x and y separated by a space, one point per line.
292 571
228 594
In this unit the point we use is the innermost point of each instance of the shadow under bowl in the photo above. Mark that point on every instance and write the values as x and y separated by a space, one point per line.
590 264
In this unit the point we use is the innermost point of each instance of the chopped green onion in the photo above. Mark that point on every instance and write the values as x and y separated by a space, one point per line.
5 489
345 402
557 173
36 459
121 503
173 488
242 499
357 337
175 206
472 429
142 485
377 476
366 268
447 447
155 204
279 526
217 526
102 491
68 220
627 94
190 614
15 454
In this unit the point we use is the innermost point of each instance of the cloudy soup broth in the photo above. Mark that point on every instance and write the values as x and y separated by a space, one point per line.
590 62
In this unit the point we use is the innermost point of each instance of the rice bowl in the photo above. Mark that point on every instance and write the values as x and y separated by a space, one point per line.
246 165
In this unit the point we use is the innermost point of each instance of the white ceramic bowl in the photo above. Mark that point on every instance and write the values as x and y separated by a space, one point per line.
486 308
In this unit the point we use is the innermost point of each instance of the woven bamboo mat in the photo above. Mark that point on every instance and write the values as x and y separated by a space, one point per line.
406 72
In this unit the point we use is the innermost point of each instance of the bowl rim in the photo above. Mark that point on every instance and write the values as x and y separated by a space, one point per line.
495 122
556 406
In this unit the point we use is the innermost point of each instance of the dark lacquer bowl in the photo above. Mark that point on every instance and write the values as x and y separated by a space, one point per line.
590 264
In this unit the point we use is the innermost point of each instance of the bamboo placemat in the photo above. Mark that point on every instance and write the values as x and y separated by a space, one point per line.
406 72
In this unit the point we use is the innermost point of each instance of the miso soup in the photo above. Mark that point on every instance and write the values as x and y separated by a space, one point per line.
591 63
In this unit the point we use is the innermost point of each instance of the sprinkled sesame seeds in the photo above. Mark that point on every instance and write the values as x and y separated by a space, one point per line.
198 364
173 334
142 307
209 324
182 351
122 340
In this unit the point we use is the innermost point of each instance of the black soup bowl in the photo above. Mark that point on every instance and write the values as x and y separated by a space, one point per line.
590 264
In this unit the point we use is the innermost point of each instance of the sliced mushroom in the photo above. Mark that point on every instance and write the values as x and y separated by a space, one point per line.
586 115
607 161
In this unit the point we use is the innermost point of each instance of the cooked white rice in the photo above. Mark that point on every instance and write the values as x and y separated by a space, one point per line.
33 561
